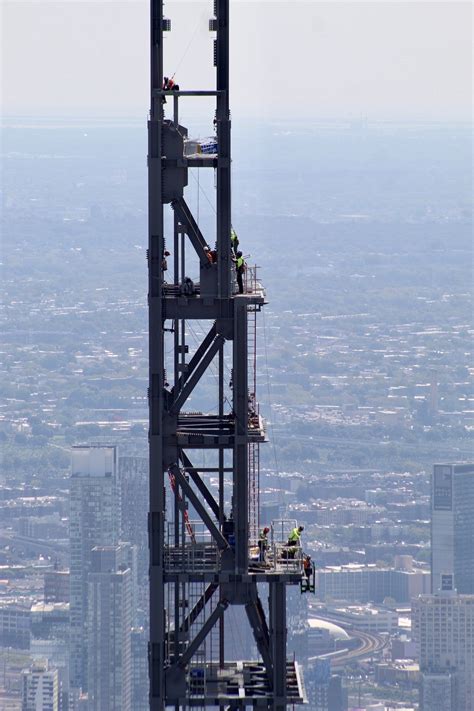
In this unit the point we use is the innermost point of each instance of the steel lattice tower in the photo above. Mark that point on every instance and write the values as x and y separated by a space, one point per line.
198 568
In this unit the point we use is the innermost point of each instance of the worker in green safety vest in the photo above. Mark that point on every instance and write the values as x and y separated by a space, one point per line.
294 539
234 240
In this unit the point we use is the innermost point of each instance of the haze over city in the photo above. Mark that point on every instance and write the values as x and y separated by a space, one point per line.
352 193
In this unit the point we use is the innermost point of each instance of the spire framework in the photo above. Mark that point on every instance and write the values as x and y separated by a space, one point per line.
205 557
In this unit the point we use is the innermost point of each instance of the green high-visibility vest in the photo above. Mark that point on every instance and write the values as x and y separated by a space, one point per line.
240 262
294 536
233 235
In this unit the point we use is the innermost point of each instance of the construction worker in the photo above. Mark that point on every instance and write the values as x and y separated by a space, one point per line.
294 539
306 584
234 240
228 530
253 415
169 85
263 543
240 268
164 261
213 253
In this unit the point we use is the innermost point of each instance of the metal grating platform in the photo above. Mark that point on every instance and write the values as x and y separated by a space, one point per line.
240 684
201 431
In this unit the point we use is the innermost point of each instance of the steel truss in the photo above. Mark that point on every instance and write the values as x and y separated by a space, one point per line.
200 540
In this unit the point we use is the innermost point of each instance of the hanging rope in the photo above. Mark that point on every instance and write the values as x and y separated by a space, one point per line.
187 48
277 469
204 193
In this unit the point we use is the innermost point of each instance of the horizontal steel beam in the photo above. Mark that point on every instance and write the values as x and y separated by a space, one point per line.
172 92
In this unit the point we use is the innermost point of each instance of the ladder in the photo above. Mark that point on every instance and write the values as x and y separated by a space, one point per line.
253 447
254 485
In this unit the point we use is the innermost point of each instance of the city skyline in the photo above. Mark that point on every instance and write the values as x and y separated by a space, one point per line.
328 313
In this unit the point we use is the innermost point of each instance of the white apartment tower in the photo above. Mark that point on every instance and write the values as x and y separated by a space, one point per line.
443 628
94 521
39 688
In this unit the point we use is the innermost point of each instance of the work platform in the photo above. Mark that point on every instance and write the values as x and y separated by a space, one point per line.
204 307
201 558
202 561
239 684
199 431
254 291
176 291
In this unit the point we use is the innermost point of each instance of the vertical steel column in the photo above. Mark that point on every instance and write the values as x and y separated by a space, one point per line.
156 362
221 462
278 633
223 138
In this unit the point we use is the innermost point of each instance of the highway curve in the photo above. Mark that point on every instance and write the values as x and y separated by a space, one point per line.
370 643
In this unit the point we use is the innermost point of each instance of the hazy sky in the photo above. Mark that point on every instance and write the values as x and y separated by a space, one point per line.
381 60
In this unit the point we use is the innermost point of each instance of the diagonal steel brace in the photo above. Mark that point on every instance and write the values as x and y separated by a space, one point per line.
213 618
196 375
189 492
193 473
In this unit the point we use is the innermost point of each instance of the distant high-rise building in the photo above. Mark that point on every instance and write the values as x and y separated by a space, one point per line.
109 630
325 690
443 628
437 691
129 555
452 526
56 651
139 670
39 688
94 520
15 625
133 476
